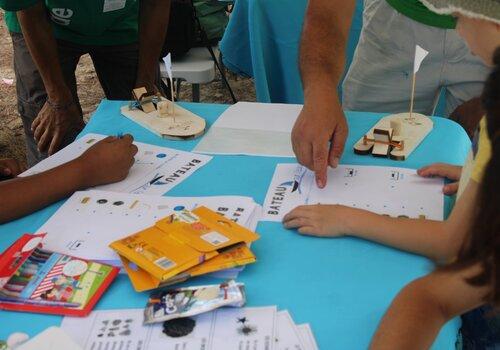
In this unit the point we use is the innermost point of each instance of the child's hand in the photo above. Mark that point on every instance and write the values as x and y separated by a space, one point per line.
318 220
107 161
451 172
10 168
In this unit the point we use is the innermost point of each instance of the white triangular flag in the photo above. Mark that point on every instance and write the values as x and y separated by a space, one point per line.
420 55
168 65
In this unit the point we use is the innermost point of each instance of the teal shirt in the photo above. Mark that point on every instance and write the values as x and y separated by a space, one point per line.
86 22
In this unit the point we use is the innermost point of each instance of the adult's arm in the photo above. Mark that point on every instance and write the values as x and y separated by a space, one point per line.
153 23
420 310
60 114
320 132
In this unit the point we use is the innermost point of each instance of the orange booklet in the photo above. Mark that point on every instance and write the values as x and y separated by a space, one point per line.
236 256
176 244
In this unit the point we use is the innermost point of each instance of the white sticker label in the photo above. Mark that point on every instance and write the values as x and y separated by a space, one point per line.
215 238
164 263
113 5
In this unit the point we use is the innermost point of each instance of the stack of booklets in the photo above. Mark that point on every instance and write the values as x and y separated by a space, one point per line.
34 279
183 245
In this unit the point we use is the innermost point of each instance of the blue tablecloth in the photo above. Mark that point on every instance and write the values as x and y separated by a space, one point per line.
341 286
262 41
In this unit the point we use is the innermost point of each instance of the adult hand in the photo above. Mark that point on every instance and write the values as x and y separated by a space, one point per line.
319 135
10 168
107 161
448 171
53 123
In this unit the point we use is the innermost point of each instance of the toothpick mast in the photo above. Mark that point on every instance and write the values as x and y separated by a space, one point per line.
412 99
420 55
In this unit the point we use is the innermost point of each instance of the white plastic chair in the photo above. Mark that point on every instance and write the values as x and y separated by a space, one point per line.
196 67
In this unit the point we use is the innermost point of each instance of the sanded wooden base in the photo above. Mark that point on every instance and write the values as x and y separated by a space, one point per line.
184 126
410 131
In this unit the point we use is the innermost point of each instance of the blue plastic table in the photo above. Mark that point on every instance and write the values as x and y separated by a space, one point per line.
262 41
342 286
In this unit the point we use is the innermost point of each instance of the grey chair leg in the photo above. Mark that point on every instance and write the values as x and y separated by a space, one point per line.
196 92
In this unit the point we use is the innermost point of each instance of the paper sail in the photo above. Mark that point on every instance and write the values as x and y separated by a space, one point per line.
168 65
420 55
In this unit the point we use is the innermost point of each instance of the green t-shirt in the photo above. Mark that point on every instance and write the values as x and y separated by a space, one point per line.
86 22
417 11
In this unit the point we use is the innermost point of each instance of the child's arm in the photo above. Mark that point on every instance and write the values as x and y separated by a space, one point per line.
420 310
437 240
107 161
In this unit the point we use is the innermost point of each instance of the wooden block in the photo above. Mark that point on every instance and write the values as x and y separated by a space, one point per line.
165 109
380 150
382 134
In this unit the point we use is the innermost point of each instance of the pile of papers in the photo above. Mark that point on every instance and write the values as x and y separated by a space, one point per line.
256 328
182 245
89 221
395 192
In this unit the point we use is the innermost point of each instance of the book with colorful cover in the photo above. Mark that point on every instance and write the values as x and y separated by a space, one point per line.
33 279
170 250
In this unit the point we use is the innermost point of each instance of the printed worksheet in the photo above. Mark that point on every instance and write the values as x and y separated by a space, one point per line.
287 333
307 337
251 128
396 192
89 221
246 328
156 169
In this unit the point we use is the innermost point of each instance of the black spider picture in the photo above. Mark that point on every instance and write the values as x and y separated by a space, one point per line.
245 329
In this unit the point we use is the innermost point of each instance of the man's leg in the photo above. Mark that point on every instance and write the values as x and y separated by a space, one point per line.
380 75
31 93
116 68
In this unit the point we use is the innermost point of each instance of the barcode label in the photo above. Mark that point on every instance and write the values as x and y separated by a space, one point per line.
215 238
164 263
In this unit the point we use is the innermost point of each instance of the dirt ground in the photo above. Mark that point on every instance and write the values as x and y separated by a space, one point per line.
89 92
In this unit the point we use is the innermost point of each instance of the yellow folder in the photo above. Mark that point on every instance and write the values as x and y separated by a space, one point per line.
236 256
179 242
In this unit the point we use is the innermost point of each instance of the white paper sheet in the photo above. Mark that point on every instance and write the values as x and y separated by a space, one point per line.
287 333
89 221
156 169
250 128
384 190
307 337
252 328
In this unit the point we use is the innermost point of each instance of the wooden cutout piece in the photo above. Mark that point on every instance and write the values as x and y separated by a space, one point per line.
145 100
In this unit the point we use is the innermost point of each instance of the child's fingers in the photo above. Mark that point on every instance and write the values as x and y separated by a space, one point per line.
450 189
442 170
133 150
297 222
5 171
308 230
127 138
301 210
